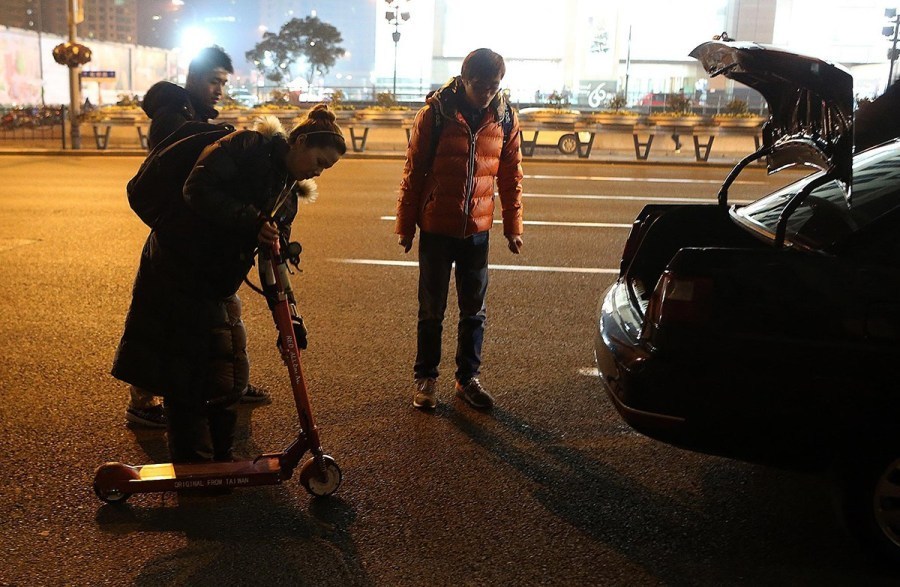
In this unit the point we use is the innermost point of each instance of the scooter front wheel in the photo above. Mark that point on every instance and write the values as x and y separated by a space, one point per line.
320 481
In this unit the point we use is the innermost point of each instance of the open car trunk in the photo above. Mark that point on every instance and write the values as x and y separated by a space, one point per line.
660 231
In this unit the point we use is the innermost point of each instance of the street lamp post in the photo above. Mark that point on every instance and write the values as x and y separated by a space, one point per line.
395 15
627 65
891 31
74 16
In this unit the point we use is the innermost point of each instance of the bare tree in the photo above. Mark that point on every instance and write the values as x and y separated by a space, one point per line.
307 43
270 57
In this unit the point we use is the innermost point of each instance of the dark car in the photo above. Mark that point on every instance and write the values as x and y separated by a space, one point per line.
771 332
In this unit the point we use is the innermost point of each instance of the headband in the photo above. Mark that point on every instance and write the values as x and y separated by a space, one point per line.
322 132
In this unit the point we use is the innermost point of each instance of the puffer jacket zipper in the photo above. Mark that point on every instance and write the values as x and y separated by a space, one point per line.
470 178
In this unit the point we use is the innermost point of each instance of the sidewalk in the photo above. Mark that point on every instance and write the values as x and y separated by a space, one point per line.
390 143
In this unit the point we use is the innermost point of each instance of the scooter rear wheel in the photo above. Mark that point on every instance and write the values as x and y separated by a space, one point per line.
109 474
113 496
318 482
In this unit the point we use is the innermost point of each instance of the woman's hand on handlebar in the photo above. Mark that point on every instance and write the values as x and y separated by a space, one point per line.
268 234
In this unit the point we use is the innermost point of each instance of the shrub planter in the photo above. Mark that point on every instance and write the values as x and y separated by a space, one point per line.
383 115
726 121
671 119
549 115
612 118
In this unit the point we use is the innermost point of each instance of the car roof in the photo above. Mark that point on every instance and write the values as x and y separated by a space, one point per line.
810 104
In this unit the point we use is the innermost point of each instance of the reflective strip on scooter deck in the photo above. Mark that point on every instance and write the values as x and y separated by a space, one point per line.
168 476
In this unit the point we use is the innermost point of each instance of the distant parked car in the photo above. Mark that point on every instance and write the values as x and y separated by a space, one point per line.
548 122
243 97
770 332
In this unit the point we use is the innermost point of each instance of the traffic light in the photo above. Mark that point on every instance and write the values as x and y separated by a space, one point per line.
891 33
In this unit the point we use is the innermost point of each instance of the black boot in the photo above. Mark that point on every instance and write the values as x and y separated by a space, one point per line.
186 425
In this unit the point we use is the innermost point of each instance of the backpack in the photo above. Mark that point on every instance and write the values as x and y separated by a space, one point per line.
506 122
160 179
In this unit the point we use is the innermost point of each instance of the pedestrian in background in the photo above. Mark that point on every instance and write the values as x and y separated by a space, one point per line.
463 143
184 337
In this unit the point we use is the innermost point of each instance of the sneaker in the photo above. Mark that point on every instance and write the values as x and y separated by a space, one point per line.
424 396
475 394
151 416
254 395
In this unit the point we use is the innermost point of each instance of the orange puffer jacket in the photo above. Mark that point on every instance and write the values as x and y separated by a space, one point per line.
454 196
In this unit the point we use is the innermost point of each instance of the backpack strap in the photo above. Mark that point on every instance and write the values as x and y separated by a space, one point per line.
437 127
507 123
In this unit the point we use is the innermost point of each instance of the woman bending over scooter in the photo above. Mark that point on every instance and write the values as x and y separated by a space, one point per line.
184 338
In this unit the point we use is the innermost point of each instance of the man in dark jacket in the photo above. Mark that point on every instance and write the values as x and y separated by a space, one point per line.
169 106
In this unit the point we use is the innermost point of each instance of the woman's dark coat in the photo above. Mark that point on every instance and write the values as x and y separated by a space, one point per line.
184 338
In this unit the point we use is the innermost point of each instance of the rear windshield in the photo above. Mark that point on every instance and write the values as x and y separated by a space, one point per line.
824 218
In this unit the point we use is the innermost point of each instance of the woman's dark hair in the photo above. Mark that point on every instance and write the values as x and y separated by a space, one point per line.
320 130
483 64
209 59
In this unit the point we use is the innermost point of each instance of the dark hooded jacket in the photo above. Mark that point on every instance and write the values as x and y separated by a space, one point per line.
184 338
169 106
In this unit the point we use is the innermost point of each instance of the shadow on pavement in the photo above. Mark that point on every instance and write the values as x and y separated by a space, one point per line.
274 535
744 522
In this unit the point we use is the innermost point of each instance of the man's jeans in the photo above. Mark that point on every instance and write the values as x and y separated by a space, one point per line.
437 254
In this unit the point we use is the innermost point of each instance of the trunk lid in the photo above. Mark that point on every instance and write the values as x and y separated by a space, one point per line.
810 104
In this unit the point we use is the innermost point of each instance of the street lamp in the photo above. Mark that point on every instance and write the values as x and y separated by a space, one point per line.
891 31
395 15
40 29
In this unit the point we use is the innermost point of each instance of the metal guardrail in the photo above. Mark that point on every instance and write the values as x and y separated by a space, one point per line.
36 126
574 130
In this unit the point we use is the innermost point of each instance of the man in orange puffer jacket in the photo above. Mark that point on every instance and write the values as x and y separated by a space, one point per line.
448 191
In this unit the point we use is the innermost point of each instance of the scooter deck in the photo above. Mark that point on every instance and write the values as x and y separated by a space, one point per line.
265 470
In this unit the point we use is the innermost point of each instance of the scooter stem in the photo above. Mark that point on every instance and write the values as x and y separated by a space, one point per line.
290 352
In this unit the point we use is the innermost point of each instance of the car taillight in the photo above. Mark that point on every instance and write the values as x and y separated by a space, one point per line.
680 299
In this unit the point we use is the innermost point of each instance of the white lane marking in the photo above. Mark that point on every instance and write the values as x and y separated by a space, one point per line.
391 263
641 179
585 224
633 198
548 223
589 371
11 243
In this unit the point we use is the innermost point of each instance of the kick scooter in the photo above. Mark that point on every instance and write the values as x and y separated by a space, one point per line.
115 482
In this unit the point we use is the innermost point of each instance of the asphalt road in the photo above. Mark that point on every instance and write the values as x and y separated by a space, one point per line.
551 488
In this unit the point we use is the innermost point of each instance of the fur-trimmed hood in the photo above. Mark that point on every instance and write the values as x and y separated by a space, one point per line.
269 126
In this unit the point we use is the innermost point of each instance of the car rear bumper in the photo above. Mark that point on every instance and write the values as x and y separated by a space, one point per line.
621 364
660 426
678 399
